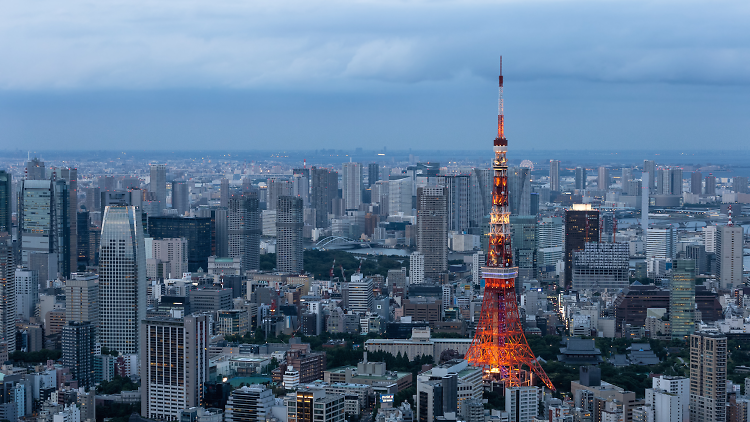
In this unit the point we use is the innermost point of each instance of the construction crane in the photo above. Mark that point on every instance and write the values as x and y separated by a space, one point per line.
343 277
332 267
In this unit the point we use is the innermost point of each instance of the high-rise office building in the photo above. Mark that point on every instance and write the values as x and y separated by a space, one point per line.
416 268
82 298
400 195
122 279
603 178
158 184
710 237
70 176
167 258
519 190
324 187
478 260
243 230
6 200
522 403
373 174
44 226
289 235
7 293
360 294
432 229
696 183
626 178
35 170
601 266
675 181
181 197
708 377
580 178
729 246
739 184
251 403
661 242
649 166
221 228
523 241
301 185
710 187
581 227
27 292
351 185
682 298
174 365
550 240
224 193
277 188
554 175
78 340
199 232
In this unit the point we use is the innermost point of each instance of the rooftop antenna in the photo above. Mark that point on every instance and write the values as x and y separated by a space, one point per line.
730 222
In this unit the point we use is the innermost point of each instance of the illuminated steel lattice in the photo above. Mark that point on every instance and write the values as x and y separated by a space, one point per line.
499 344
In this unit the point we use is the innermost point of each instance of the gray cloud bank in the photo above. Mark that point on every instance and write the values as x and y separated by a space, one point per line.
355 46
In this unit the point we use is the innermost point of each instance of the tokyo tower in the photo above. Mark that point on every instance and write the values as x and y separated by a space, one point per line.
499 344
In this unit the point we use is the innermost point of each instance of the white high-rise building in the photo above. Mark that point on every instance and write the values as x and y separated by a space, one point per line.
447 296
522 403
729 256
122 279
360 294
550 235
27 292
351 178
416 268
174 365
661 243
709 238
478 261
669 399
399 196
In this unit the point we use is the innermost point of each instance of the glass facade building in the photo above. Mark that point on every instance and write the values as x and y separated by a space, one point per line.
682 298
199 232
122 279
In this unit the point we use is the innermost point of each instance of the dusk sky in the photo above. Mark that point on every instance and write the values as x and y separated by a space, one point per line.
271 75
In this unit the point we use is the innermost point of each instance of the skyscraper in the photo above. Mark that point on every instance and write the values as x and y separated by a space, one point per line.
729 245
82 298
519 190
581 227
221 228
554 175
27 292
78 340
159 184
301 185
661 242
675 181
739 184
243 230
708 377
174 365
35 169
649 166
710 188
277 188
696 183
416 268
603 178
432 229
7 293
122 279
199 232
289 235
373 173
400 195
224 193
580 178
6 195
360 294
625 178
44 226
324 188
70 175
682 298
180 197
351 189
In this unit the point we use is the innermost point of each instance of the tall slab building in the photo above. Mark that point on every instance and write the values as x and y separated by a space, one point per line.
432 229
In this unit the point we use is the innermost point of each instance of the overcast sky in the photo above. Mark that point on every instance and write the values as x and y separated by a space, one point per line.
402 74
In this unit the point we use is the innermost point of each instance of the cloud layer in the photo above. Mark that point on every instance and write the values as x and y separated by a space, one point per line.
367 45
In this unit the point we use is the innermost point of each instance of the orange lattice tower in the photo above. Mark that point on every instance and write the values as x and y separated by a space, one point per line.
499 345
